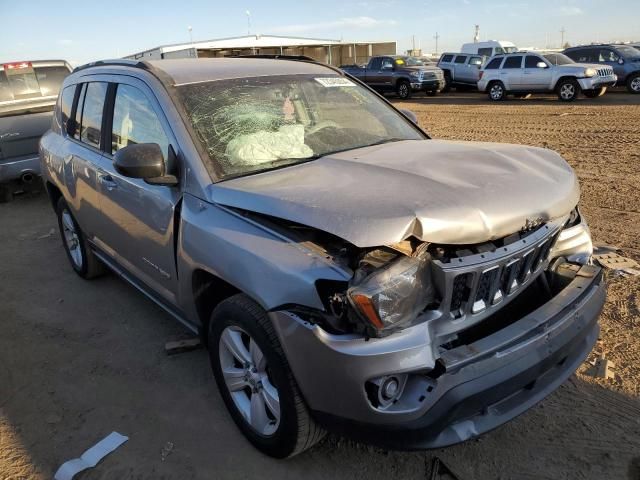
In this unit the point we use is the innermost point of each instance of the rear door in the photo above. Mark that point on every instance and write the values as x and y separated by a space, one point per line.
535 78
460 69
137 219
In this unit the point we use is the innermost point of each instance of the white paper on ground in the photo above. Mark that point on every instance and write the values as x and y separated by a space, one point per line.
91 457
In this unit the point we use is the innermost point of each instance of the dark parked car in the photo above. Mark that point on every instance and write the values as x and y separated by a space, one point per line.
28 93
624 59
345 270
400 74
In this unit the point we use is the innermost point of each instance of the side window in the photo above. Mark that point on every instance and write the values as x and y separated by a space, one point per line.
607 55
387 63
74 128
91 123
513 62
447 58
475 61
460 59
66 102
376 63
494 64
485 52
531 61
134 121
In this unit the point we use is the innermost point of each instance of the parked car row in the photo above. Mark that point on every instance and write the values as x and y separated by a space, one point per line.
500 69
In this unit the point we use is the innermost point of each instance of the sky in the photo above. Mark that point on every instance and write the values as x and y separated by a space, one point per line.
92 30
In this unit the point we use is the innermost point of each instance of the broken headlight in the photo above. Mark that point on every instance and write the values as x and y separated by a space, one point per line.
574 242
393 295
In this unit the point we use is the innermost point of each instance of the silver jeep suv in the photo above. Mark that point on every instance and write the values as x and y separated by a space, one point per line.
346 271
523 73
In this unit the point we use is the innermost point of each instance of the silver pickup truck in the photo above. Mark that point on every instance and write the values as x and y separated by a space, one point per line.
461 70
28 93
346 271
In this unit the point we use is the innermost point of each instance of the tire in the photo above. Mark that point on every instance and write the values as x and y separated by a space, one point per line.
597 92
6 195
633 83
403 89
447 82
567 90
496 91
82 259
239 321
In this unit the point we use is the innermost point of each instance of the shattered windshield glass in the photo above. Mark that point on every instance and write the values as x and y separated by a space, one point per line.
253 124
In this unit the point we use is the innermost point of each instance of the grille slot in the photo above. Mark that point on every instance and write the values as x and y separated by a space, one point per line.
478 287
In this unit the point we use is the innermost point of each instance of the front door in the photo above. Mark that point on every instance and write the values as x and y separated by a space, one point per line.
137 219
534 76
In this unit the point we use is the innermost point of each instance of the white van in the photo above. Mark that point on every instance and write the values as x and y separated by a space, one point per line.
489 48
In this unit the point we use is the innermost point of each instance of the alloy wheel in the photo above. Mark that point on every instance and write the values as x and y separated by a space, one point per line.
246 375
635 84
403 91
496 92
567 91
72 239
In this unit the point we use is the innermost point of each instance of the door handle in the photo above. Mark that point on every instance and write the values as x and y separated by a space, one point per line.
107 181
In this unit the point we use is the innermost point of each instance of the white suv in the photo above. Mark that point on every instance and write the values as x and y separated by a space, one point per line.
523 73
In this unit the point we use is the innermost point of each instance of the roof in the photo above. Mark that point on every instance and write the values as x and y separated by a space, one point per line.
192 70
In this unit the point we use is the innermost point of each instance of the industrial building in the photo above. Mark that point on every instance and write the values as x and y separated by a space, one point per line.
333 52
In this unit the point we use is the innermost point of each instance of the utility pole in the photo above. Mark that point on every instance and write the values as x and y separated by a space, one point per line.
190 33
476 36
248 22
562 32
436 36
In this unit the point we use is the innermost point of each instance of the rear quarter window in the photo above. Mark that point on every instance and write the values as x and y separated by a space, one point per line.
447 58
66 102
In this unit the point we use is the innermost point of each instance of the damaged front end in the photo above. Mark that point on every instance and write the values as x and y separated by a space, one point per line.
419 321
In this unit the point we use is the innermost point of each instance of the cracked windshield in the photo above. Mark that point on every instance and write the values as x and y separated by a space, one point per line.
254 124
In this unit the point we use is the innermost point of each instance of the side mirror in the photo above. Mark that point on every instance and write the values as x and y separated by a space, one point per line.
541 65
621 61
143 160
410 115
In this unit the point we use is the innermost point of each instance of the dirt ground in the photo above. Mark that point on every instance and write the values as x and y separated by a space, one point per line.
81 359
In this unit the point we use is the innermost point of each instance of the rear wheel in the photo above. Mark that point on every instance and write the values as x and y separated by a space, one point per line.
596 92
496 91
255 381
403 89
568 90
633 83
81 257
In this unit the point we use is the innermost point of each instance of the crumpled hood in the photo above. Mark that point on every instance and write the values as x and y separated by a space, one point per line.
439 191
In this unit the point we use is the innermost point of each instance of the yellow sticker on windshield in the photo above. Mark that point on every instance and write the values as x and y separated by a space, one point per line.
399 61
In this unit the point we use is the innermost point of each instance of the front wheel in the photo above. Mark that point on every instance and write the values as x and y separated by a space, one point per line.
568 90
497 92
255 381
596 92
633 83
403 89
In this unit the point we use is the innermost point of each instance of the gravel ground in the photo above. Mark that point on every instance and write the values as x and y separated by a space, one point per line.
81 359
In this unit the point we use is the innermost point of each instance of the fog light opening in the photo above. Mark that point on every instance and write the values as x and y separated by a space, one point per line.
385 391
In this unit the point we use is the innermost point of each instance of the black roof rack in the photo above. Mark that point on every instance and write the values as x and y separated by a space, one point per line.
299 58
117 62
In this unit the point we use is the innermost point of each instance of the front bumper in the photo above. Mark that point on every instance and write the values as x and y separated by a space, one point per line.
485 384
14 169
428 85
591 83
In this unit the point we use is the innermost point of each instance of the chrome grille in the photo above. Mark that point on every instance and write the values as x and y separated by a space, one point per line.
605 72
476 285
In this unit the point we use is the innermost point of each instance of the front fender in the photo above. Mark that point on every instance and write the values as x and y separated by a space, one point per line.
271 269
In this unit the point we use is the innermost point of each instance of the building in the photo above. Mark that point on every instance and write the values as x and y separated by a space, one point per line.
333 52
